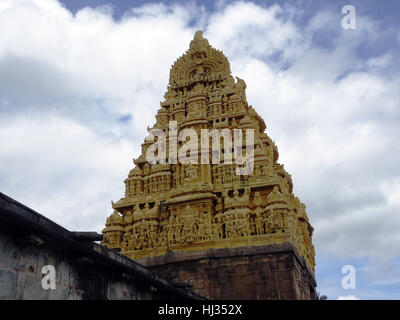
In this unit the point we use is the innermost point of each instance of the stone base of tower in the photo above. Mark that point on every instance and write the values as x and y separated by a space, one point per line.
274 271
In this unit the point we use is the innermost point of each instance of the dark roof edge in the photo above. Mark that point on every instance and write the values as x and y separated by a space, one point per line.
16 214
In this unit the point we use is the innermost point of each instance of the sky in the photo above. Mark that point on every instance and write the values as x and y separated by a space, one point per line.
80 82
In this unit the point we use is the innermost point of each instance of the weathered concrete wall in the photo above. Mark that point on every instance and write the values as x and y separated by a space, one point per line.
255 272
21 276
84 270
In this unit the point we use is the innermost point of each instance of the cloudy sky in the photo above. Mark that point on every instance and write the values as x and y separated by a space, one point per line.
80 81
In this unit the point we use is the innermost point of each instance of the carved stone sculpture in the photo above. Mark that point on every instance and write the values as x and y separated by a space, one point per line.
176 206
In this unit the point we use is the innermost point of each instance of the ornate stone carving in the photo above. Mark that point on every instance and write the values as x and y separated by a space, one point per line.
194 206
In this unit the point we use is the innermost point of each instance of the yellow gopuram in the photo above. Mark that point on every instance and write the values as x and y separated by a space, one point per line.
174 207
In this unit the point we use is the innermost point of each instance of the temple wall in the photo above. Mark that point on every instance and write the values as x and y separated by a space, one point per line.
230 232
83 270
257 272
21 277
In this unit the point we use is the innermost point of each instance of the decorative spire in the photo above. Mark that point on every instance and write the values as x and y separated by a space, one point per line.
199 43
200 59
177 206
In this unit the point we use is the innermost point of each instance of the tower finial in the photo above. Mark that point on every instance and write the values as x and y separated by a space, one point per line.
199 41
198 36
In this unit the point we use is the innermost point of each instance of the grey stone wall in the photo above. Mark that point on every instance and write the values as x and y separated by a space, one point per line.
83 269
76 278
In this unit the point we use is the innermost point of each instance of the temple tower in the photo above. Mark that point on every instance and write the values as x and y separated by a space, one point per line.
229 235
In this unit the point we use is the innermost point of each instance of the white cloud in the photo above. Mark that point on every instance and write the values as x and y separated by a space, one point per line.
246 29
63 169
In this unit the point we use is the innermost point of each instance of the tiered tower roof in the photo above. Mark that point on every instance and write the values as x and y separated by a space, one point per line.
173 206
